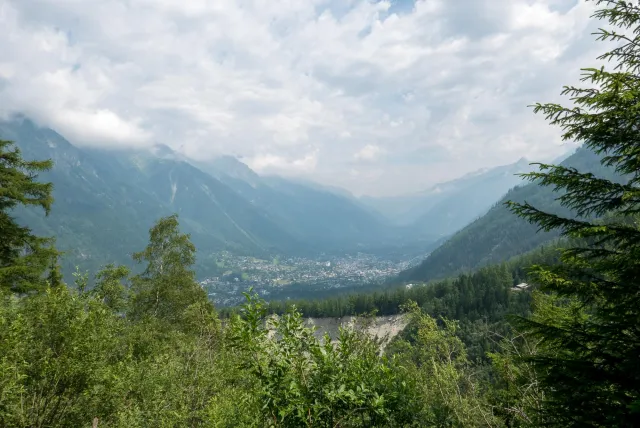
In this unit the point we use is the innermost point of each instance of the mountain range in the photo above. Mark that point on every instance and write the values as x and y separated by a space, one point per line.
446 207
326 220
500 235
106 200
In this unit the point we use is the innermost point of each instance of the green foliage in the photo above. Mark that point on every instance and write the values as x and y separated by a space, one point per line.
589 322
110 287
167 287
67 356
304 381
24 257
437 359
516 394
54 276
60 354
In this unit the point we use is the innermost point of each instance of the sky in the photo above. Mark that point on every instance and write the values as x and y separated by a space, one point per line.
377 97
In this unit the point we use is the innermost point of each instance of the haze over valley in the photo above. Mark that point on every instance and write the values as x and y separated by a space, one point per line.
240 221
278 142
371 213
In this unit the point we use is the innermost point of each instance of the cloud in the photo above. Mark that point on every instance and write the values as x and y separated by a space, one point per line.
368 152
100 127
314 88
273 163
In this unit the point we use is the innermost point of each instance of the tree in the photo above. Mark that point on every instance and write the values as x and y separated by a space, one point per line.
167 287
109 286
54 276
437 360
302 380
24 257
589 315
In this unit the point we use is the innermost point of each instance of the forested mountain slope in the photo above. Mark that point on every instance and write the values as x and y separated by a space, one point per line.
471 200
500 235
106 200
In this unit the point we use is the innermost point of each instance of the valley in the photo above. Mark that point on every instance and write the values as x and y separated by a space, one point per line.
297 276
319 214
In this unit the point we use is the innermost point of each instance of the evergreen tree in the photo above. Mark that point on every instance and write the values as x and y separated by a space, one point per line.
24 257
589 316
54 276
167 287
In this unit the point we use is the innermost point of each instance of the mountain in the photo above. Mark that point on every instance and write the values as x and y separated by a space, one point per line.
500 235
324 218
105 202
228 167
446 207
470 197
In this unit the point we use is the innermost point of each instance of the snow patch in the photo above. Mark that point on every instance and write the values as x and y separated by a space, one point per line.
174 190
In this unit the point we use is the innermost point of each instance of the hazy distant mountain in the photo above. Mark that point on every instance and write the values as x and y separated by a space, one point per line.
470 197
325 218
105 202
321 187
229 167
447 207
499 235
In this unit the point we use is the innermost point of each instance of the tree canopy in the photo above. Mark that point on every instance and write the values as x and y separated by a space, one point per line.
24 257
589 316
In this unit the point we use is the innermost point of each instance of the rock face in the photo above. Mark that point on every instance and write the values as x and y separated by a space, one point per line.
383 328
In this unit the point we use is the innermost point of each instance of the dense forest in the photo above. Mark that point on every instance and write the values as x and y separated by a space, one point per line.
468 296
147 348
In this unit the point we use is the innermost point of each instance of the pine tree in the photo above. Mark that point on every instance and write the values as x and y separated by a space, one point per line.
589 314
54 276
24 257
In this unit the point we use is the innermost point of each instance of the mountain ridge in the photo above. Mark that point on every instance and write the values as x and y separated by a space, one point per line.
105 201
445 207
499 234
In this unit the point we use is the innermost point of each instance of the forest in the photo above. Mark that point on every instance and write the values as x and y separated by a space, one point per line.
148 348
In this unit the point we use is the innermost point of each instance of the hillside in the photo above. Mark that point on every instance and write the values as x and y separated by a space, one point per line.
500 235
326 219
471 199
106 201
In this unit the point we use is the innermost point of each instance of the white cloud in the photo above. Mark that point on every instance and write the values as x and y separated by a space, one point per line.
368 152
101 126
273 163
302 87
